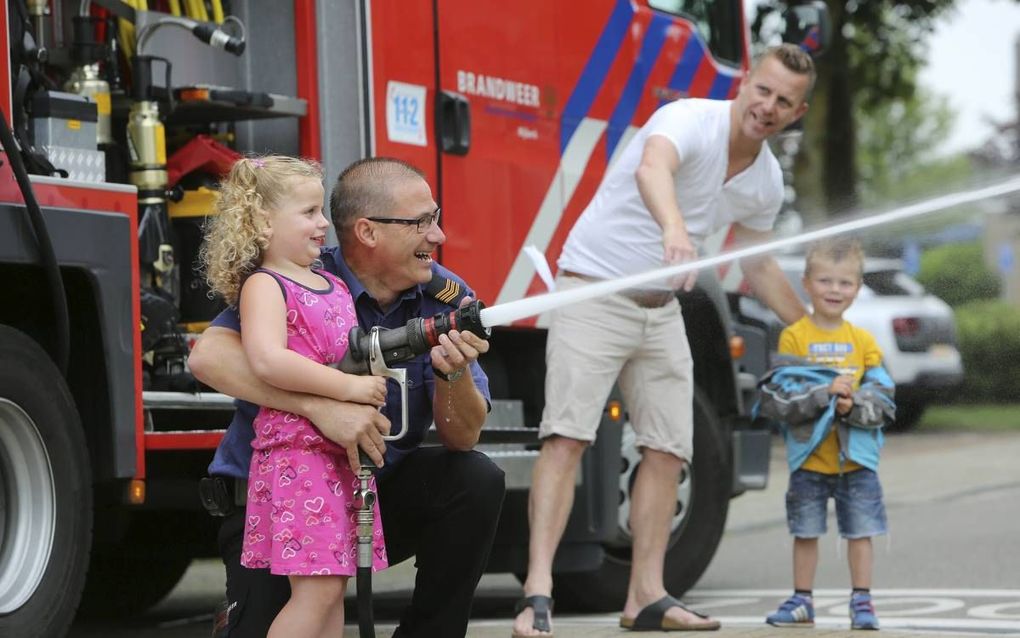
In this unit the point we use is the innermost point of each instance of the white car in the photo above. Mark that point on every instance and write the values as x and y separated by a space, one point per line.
915 330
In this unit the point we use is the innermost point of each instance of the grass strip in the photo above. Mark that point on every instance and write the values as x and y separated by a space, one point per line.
979 416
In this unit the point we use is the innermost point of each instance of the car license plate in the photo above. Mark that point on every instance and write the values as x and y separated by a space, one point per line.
941 350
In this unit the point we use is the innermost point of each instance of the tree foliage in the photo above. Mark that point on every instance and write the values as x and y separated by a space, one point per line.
896 144
989 342
958 274
876 50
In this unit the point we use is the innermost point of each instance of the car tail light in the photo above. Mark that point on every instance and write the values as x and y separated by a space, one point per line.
906 326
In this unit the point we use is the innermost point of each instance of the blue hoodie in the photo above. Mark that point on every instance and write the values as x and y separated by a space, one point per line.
796 395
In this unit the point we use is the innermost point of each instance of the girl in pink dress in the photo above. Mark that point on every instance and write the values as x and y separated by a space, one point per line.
260 253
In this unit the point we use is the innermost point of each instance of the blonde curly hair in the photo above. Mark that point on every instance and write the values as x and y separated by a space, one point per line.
237 235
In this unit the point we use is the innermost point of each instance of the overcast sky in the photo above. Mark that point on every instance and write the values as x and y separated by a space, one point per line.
972 61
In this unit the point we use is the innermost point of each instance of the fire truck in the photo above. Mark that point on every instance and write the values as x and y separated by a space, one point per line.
119 117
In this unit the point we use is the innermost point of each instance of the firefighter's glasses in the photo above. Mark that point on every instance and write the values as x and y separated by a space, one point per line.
422 222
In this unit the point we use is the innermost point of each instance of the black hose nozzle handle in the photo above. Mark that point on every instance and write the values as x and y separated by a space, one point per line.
416 337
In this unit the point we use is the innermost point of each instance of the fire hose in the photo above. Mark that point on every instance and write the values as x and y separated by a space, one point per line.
372 352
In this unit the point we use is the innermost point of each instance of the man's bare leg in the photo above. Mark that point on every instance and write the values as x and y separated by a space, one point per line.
653 503
549 503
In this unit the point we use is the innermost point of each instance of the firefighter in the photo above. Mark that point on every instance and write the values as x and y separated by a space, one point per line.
438 503
695 167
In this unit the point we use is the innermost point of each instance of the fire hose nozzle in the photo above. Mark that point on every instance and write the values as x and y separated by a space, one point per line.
375 350
416 337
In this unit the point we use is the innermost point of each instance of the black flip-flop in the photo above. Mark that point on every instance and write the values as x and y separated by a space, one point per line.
541 607
653 618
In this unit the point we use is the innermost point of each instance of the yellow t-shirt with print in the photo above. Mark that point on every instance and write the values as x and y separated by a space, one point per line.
849 348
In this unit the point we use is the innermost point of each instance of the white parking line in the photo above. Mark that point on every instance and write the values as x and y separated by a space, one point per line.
843 622
995 611
976 610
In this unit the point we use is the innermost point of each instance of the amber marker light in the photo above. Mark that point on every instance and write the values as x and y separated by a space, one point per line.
136 492
737 347
615 410
194 95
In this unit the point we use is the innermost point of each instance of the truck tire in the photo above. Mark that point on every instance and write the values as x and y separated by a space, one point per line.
703 496
45 493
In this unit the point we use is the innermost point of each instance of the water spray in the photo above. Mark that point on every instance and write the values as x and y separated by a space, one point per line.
509 312
421 335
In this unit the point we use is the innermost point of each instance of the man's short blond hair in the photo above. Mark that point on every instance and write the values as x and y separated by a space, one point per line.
795 59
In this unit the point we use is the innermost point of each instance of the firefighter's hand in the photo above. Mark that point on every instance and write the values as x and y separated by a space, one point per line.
353 426
456 349
678 249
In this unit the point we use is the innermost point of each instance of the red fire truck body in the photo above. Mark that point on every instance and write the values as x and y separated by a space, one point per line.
512 110
549 92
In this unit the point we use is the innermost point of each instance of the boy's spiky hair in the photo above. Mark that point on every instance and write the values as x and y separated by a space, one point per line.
835 249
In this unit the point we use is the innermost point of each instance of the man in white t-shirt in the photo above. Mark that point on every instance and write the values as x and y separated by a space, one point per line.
695 167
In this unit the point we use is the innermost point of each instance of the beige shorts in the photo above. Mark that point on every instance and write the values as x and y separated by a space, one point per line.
594 342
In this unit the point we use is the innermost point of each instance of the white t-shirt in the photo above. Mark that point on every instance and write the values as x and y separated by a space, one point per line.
617 236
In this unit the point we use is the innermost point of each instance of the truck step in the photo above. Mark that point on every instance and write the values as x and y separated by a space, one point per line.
503 425
155 400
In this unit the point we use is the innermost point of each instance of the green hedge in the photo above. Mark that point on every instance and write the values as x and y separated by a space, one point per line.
957 273
989 340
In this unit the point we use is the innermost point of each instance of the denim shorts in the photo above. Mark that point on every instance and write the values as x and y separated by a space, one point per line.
860 512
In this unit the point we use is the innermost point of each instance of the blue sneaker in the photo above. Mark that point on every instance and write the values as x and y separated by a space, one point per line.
862 612
797 611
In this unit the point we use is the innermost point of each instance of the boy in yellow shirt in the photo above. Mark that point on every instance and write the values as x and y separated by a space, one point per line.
831 396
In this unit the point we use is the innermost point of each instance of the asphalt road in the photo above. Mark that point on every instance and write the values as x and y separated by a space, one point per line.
950 565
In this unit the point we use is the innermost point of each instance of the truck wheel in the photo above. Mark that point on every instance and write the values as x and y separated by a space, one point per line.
45 493
703 496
